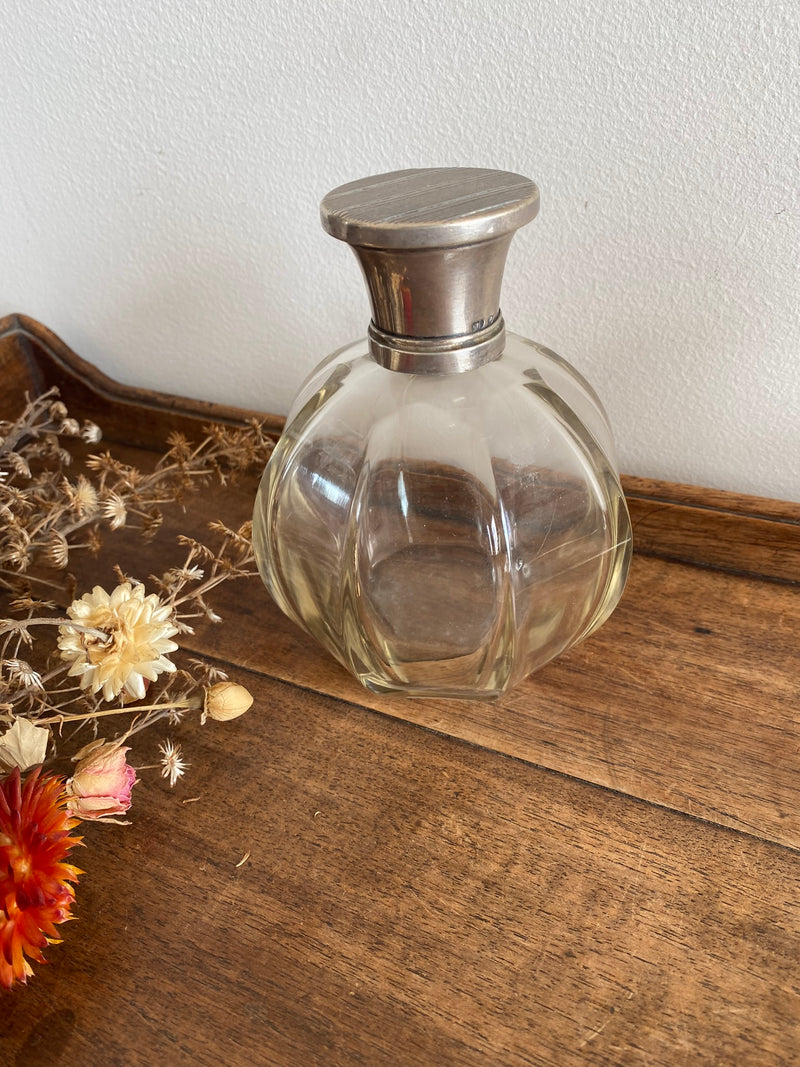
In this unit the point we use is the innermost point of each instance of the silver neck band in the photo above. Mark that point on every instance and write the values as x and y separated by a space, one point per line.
437 355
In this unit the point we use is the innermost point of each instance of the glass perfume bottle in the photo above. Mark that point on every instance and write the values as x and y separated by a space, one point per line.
443 511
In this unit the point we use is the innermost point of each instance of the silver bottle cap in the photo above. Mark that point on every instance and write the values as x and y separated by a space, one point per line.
432 245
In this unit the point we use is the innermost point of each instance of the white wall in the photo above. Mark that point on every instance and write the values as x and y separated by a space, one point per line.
161 166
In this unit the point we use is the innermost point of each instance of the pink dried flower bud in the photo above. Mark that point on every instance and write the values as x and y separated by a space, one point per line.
102 783
226 700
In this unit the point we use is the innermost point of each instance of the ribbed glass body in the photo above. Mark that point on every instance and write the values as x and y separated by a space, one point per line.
444 534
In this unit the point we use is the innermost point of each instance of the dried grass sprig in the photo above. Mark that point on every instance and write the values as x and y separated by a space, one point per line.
62 669
47 515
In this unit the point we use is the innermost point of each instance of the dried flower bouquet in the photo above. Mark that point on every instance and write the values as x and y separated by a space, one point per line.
70 664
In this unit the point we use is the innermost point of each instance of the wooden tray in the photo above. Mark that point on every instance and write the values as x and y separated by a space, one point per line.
414 899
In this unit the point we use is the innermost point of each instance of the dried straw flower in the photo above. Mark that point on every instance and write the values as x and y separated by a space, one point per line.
36 893
82 496
23 674
129 644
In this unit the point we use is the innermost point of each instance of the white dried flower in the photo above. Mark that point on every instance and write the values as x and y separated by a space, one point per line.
135 639
172 763
115 510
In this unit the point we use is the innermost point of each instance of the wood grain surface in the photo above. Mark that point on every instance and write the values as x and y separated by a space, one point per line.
409 899
687 697
601 868
742 535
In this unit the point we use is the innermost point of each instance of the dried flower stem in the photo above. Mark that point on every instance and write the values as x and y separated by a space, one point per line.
32 422
12 625
65 720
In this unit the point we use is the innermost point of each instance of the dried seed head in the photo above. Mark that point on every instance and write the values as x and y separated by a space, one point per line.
16 552
91 432
114 510
21 673
58 411
18 464
94 541
84 496
226 700
57 551
70 427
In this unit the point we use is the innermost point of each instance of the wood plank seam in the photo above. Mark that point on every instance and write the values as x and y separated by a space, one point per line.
716 567
344 703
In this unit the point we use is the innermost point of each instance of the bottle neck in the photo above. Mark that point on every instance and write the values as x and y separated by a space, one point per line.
438 355
435 310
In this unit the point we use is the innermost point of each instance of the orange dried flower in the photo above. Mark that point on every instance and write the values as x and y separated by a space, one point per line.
35 890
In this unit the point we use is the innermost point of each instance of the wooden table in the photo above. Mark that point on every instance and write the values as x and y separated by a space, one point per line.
601 868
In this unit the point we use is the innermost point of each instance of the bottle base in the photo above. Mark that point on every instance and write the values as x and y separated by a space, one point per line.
430 692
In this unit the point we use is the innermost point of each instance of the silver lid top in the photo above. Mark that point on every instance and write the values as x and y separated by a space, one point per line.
435 208
432 245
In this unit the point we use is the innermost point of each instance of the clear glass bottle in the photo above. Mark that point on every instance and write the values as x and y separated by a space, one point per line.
443 512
